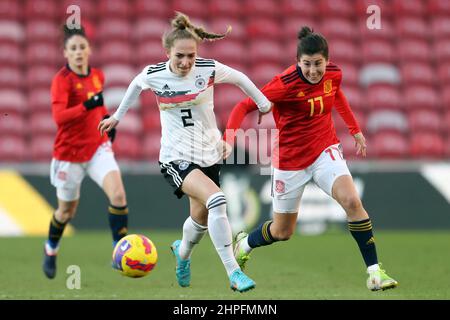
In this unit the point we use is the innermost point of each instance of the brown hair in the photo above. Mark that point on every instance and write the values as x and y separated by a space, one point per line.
69 33
310 42
182 28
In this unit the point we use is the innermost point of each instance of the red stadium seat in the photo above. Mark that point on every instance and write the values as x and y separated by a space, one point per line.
425 120
344 51
299 8
45 9
384 97
127 146
229 8
447 147
114 29
229 51
10 54
226 97
116 52
12 101
12 148
119 75
151 146
341 127
355 97
414 50
427 145
12 124
10 10
409 8
147 29
386 33
292 26
441 50
154 8
384 5
195 9
150 52
41 147
88 9
152 121
436 7
350 72
337 8
130 124
264 28
42 123
220 25
43 53
339 28
446 99
261 74
39 99
418 73
387 120
115 9
11 31
266 8
378 51
440 27
266 51
420 97
444 73
42 30
148 101
11 78
446 122
412 27
348 145
387 145
40 77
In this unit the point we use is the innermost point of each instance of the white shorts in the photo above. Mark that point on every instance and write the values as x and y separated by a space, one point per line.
67 176
288 186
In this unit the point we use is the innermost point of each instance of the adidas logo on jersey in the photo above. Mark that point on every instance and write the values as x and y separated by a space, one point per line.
166 87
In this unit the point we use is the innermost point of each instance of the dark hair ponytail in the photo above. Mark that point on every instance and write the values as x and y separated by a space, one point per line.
69 33
310 42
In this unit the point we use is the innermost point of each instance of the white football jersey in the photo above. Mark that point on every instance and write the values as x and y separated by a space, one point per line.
188 123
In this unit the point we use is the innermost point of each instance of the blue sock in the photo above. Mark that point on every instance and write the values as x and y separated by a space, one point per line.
118 222
261 236
362 233
55 232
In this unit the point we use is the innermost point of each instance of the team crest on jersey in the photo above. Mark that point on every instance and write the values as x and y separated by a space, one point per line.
200 83
328 86
279 186
183 165
96 82
79 86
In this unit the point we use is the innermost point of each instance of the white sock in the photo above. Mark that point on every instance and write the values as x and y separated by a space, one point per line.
220 230
51 251
372 268
245 245
192 234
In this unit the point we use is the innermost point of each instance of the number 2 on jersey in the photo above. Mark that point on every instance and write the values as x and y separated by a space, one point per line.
312 101
186 117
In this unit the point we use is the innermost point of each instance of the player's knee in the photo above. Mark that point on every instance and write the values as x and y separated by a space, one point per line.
118 198
63 215
351 203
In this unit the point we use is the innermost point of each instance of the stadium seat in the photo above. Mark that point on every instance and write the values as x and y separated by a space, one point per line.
419 97
441 50
114 29
42 30
229 8
350 72
440 27
446 99
412 27
195 9
220 25
41 123
414 50
386 33
39 99
10 10
361 7
339 28
387 145
229 51
11 54
151 146
89 10
344 51
11 31
146 29
265 51
263 73
150 52
421 120
446 123
11 78
154 8
291 27
384 96
148 101
43 54
299 8
355 97
127 147
418 73
12 124
263 28
116 52
40 148
387 120
437 7
12 101
226 96
261 8
109 9
444 73
336 8
409 8
152 121
341 127
447 147
379 73
119 75
376 51
13 148
45 9
38 77
427 145
131 123
113 97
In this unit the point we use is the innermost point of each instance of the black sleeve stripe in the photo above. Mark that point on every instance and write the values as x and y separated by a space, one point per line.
203 60
289 75
155 70
205 65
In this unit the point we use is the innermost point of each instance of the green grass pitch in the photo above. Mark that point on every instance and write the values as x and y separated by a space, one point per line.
328 266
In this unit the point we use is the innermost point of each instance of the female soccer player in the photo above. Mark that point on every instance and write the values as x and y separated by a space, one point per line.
191 144
303 97
77 107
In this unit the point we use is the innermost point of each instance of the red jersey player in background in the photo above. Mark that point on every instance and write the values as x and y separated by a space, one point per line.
308 149
77 108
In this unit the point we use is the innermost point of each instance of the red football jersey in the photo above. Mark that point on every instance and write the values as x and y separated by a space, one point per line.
302 114
77 137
